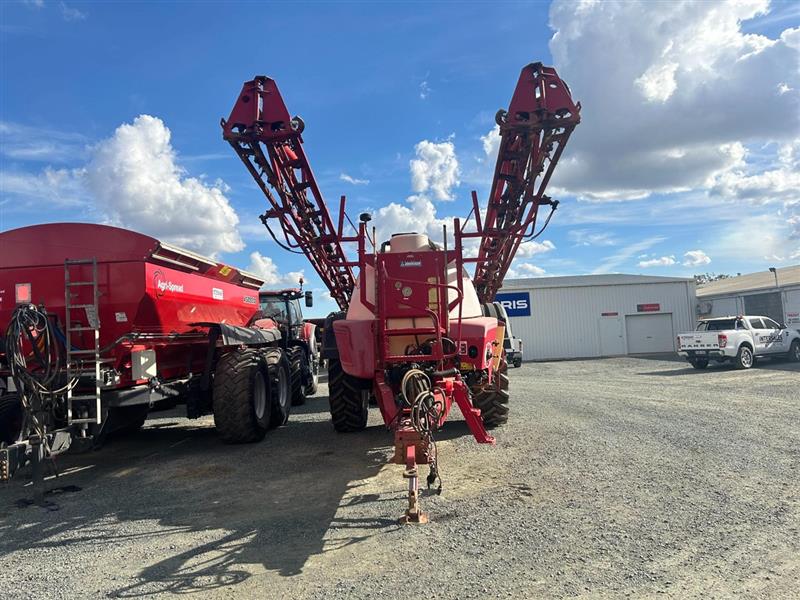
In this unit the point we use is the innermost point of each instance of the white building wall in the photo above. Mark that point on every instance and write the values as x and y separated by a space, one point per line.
733 304
564 321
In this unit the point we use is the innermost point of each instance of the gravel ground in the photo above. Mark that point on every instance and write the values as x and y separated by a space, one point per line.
618 477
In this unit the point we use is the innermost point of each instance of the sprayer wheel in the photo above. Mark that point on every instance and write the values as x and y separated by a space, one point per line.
11 418
492 399
297 357
348 400
241 397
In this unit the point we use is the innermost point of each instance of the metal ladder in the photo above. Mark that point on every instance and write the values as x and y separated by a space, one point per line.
81 362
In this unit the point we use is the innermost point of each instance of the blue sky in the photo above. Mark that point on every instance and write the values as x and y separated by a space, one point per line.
686 162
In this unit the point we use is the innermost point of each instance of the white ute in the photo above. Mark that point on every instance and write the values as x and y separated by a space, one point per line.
738 340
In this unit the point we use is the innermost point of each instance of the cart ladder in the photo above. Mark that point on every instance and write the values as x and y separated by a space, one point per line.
81 298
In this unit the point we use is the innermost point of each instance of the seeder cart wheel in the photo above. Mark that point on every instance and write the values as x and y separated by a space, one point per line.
241 397
492 400
348 400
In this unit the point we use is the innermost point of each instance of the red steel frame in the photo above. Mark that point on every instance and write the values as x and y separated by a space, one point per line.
534 132
270 145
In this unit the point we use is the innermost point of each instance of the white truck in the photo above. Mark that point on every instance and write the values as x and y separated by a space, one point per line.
739 340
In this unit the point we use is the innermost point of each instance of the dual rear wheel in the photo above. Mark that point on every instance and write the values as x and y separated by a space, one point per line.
251 394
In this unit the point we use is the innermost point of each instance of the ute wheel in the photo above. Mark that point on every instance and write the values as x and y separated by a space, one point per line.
517 362
280 386
492 400
699 363
794 351
11 418
297 358
349 401
241 397
744 358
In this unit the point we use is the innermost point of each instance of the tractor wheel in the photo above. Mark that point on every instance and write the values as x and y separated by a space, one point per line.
280 386
349 401
297 358
241 396
11 418
313 379
492 400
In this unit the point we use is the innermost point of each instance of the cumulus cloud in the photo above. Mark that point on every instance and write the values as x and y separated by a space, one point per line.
664 261
695 258
265 267
525 270
353 180
435 169
672 92
529 249
133 177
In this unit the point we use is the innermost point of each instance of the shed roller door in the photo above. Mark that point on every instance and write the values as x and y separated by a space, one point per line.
649 333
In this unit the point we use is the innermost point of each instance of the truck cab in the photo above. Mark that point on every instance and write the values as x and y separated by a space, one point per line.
739 340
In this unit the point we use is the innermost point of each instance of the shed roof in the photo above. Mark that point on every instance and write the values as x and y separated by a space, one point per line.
588 280
763 280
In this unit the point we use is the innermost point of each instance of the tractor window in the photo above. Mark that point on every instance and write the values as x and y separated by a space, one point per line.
274 308
296 313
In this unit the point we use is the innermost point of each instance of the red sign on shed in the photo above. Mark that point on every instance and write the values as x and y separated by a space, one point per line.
648 307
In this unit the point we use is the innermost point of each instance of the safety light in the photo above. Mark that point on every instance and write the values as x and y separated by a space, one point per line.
22 293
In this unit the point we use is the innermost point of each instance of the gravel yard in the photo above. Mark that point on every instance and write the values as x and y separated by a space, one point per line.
618 477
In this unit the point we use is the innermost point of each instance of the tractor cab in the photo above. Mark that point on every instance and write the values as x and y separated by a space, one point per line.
283 306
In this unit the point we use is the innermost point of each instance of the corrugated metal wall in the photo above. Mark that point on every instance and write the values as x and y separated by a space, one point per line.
736 304
564 322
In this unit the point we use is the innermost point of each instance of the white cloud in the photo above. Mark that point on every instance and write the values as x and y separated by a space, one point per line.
56 187
34 3
664 261
134 178
28 143
695 258
435 169
610 263
491 144
353 180
529 249
585 237
672 92
424 90
71 14
265 267
525 270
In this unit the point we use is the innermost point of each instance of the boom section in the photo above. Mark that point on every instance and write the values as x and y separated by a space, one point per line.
533 134
270 144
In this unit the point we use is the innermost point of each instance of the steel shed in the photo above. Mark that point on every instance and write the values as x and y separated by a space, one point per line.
598 315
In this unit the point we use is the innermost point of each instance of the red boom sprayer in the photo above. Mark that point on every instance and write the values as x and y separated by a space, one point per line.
434 337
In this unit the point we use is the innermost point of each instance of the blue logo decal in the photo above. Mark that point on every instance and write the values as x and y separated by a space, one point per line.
517 304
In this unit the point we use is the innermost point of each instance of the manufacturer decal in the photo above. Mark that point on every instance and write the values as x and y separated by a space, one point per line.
250 300
217 294
411 263
164 285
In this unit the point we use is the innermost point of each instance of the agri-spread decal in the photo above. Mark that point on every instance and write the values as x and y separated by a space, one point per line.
164 285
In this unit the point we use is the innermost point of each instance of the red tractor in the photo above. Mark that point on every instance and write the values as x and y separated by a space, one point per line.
412 336
298 338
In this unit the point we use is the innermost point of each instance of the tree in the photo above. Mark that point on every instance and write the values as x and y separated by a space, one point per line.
709 277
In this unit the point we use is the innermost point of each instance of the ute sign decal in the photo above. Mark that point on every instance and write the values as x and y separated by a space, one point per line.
517 304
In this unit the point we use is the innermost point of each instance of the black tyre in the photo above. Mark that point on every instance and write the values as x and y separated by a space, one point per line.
241 396
297 368
11 418
744 358
280 388
794 351
349 401
492 400
312 380
699 363
517 362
